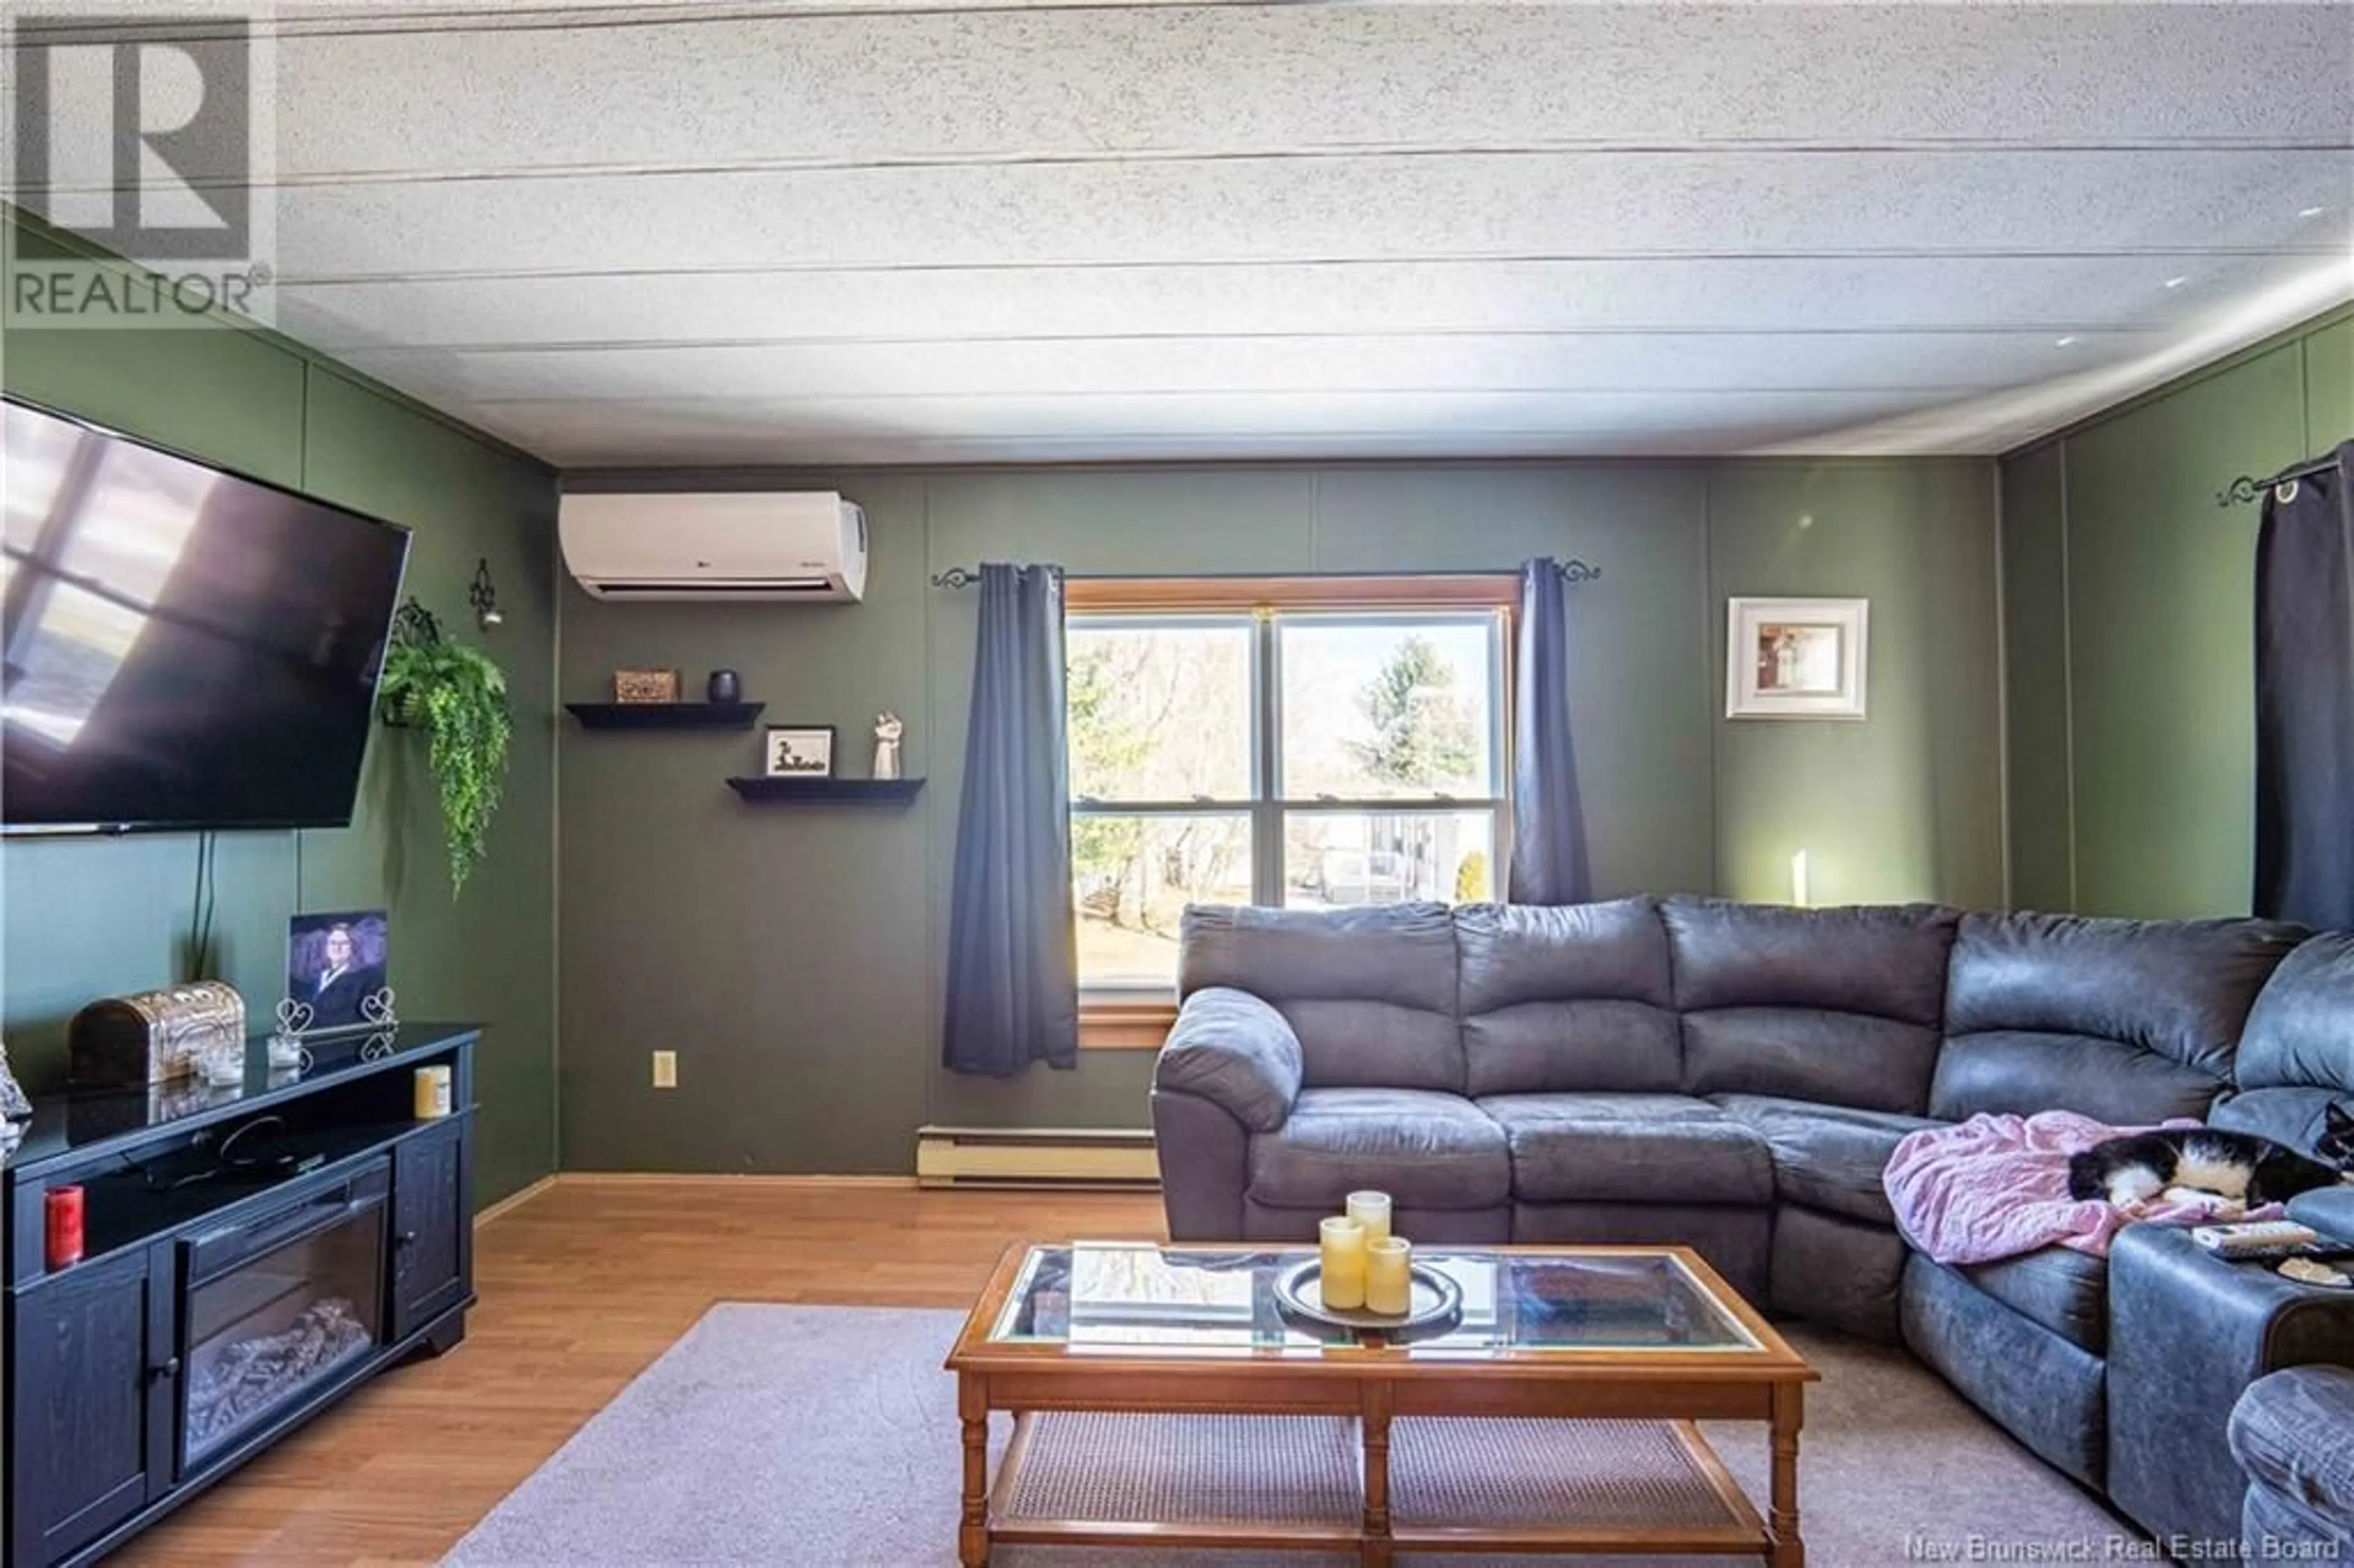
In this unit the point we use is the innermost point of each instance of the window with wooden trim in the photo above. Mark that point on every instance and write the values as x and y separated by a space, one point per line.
1316 743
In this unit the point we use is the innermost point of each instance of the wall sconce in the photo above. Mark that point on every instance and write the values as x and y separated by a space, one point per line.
484 596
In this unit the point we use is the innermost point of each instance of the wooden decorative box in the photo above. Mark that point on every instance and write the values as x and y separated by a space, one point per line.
130 1042
645 685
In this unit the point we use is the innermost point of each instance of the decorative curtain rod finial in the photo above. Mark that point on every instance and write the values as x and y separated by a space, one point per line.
1576 571
2243 490
965 577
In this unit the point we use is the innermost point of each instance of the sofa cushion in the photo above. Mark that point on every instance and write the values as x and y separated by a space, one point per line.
1426 1149
1567 997
2293 1431
2125 1021
2064 1291
1370 992
1639 1148
1839 1006
2295 1116
1827 1157
2297 1056
2296 1035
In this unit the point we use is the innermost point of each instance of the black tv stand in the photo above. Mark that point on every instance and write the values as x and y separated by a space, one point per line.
219 1306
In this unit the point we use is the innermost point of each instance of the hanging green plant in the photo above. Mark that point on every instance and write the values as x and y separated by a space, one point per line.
459 697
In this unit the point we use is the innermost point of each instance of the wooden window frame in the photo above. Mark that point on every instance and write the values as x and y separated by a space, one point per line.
1140 1023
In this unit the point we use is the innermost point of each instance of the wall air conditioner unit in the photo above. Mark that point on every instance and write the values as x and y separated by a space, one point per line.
774 545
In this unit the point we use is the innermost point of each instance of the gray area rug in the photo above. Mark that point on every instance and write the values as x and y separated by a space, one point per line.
827 1435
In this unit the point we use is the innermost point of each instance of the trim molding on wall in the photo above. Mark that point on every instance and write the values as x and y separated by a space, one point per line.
745 1178
514 1200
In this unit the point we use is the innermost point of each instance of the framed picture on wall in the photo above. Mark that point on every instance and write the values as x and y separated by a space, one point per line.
800 751
1796 658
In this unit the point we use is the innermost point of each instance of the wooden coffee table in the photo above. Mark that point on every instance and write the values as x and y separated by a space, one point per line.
1141 1379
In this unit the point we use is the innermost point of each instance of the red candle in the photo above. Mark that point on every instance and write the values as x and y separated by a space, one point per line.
62 1210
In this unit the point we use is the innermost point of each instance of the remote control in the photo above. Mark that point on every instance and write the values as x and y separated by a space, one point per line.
2248 1240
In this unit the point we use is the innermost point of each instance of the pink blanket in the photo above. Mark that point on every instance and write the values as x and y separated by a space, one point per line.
1997 1186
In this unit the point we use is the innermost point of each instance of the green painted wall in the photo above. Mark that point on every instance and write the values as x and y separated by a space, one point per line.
795 957
2128 598
86 918
1898 807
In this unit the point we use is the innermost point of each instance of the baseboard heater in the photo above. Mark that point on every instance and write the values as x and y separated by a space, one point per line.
1035 1157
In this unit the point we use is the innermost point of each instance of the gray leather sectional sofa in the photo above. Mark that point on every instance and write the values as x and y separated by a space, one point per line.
1733 1077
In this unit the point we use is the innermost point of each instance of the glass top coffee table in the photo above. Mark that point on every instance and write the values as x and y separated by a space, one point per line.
1164 1396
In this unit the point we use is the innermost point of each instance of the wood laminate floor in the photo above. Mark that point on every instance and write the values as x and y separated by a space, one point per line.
581 1286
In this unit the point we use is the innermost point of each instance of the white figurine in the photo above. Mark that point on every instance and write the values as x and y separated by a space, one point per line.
887 730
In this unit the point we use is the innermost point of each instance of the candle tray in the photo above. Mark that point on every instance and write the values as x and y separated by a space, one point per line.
1434 1303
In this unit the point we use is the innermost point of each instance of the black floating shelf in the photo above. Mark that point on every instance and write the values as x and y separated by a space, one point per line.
665 715
839 791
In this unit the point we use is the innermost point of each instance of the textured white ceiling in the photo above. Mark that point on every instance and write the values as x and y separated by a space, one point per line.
899 232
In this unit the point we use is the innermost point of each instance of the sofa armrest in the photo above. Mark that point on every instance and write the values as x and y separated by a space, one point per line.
2188 1333
2293 1432
2329 1210
1231 1049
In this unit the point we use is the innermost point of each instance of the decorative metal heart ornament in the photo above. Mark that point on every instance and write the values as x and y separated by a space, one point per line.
377 1006
295 1017
376 1048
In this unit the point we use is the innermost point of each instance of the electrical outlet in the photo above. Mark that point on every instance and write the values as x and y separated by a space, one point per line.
665 1069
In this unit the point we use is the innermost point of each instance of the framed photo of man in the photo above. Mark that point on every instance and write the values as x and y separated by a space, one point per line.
335 970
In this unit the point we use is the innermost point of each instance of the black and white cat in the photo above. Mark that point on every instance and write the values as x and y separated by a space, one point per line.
2199 1164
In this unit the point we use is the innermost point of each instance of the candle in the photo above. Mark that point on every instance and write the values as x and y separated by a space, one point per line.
1798 888
61 1222
432 1094
1342 1244
1371 1210
1389 1270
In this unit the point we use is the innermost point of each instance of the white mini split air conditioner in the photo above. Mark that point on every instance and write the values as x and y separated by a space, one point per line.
775 545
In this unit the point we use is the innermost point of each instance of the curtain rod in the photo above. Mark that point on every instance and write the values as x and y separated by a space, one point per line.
1572 571
2243 490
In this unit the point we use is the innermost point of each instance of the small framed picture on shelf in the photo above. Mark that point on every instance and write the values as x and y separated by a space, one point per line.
798 751
1796 658
335 966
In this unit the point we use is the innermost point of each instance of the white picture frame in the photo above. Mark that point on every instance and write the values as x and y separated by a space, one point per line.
1796 658
797 751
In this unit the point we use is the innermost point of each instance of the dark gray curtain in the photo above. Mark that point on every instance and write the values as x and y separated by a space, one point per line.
1012 976
2305 700
1548 824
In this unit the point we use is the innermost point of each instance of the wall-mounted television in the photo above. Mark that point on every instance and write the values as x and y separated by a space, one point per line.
181 648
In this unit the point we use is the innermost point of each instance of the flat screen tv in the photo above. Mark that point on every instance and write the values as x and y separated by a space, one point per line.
183 648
